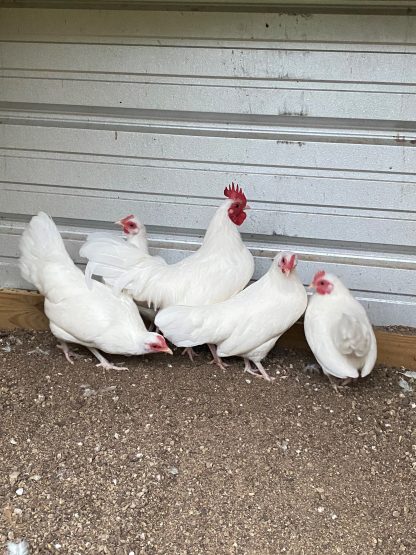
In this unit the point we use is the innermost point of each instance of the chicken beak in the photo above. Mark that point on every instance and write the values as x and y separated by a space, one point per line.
247 207
310 286
118 222
167 351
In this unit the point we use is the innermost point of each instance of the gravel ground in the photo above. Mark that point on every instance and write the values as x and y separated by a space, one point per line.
171 457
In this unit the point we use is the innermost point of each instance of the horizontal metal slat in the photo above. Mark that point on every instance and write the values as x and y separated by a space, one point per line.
212 149
79 177
249 97
271 222
122 27
220 62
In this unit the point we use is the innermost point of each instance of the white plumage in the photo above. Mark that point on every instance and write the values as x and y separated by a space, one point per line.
109 247
338 330
95 318
218 270
21 548
247 325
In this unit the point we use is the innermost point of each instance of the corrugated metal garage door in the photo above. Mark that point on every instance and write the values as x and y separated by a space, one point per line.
105 113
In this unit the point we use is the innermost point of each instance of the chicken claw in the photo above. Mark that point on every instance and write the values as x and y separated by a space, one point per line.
67 352
216 359
263 374
190 352
104 363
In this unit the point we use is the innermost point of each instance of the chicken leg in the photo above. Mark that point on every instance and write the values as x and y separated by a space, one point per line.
190 352
263 374
215 358
104 362
339 384
63 345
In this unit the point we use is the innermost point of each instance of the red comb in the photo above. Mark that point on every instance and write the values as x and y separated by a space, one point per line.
234 192
292 261
127 218
318 276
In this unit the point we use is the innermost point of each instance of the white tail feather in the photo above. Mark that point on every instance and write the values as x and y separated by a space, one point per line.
111 251
41 243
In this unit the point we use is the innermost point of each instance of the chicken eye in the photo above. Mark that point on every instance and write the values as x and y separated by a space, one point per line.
283 260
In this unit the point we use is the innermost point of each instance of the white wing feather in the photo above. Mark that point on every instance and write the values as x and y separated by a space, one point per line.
327 354
351 336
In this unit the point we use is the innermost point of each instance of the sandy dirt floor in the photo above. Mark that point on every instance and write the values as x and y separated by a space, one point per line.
171 457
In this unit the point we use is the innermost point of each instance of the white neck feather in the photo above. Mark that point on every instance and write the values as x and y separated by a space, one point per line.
221 228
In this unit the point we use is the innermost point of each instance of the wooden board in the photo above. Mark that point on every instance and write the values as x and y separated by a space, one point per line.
24 310
394 349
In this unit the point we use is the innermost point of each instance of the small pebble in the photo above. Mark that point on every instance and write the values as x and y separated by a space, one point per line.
20 491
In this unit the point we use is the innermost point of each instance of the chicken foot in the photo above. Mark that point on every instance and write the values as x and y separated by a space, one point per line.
215 358
190 352
339 384
104 362
263 374
63 345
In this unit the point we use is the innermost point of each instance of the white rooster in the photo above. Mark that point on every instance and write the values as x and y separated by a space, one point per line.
221 267
247 325
338 330
96 318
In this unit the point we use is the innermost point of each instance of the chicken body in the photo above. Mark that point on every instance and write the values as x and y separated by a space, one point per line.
338 330
246 325
96 318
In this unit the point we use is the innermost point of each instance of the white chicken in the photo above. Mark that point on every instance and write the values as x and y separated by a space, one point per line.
219 269
109 243
134 234
96 318
247 325
338 330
